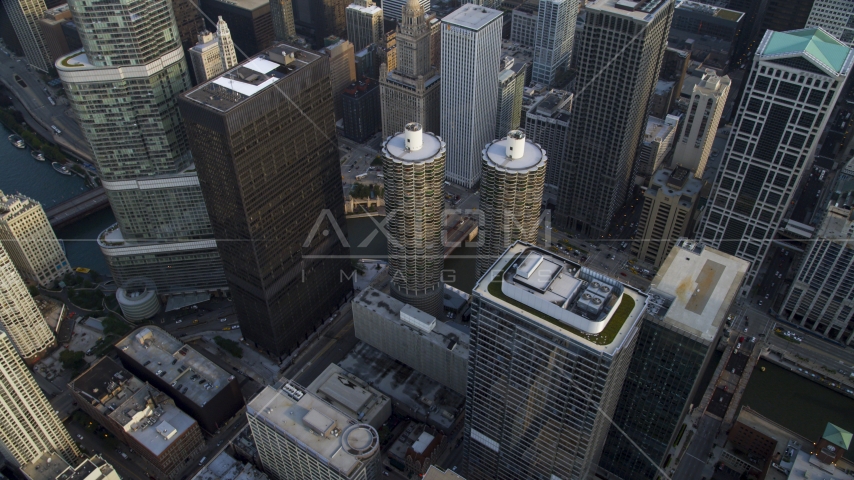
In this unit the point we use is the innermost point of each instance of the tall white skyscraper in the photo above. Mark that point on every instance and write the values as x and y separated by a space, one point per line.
30 241
553 39
28 424
796 79
364 24
551 343
835 16
19 315
25 15
704 112
226 45
471 52
393 9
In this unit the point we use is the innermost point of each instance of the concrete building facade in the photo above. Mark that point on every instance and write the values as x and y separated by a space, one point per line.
25 15
51 27
29 240
511 89
541 360
676 343
409 90
511 191
412 337
657 144
609 110
414 191
553 39
523 24
298 436
704 113
282 12
283 288
820 298
834 16
364 24
547 124
471 51
785 108
20 318
668 207
342 71
163 231
205 57
393 9
30 425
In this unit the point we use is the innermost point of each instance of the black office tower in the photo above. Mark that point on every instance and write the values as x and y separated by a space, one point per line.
263 138
675 344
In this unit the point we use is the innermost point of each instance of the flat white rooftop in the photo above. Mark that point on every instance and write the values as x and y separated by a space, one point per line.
309 421
703 283
431 146
156 350
350 394
472 17
533 156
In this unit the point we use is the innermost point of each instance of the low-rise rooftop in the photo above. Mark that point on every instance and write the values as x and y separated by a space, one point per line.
95 468
145 413
403 315
414 394
587 306
351 395
47 466
178 364
313 424
694 288
226 467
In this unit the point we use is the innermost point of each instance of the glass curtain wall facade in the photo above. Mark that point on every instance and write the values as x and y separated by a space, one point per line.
123 89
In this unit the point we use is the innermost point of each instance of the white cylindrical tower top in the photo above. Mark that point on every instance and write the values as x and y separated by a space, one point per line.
515 144
412 134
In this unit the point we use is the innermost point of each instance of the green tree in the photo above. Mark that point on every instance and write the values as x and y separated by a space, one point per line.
229 346
72 360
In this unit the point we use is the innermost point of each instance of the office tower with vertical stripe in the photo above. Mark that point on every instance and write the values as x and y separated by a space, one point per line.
471 52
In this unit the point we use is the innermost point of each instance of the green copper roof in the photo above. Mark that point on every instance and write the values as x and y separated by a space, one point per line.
837 436
813 42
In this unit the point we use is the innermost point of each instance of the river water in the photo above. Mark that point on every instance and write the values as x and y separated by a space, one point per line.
798 404
38 180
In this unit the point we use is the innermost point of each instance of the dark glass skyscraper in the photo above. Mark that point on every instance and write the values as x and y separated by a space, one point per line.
618 59
676 340
263 135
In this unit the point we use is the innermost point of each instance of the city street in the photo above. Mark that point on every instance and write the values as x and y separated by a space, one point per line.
331 347
32 99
